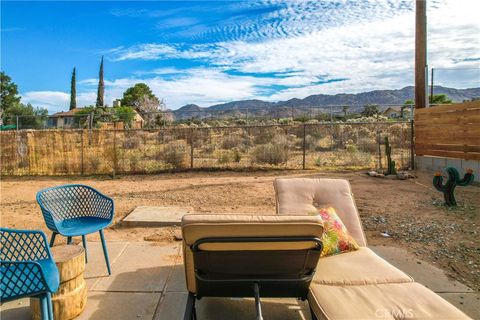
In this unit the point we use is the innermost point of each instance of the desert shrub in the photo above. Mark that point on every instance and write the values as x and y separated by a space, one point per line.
231 141
224 156
347 157
367 144
131 142
237 155
134 160
174 153
270 153
94 162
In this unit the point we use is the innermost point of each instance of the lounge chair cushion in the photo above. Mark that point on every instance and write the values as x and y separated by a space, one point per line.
198 226
304 196
393 301
357 268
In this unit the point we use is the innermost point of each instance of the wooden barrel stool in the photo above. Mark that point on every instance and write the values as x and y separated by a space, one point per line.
70 299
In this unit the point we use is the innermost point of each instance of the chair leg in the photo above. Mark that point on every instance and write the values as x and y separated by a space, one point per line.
52 239
84 240
312 314
105 251
69 240
50 306
44 307
190 312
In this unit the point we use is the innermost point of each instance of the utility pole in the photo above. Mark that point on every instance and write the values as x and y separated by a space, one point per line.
420 53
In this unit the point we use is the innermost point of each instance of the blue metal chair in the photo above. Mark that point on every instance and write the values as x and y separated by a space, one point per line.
76 210
27 268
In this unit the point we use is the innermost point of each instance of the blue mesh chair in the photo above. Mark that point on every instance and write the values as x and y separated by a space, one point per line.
27 268
76 210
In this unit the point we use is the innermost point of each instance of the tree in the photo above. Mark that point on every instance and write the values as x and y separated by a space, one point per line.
408 104
73 91
101 87
11 107
140 96
440 99
8 93
125 114
370 110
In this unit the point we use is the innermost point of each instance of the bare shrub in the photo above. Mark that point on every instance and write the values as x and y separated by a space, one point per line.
224 156
350 156
174 153
94 162
270 153
131 142
231 141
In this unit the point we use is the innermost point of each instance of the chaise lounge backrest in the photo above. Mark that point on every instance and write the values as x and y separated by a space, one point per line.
202 228
304 195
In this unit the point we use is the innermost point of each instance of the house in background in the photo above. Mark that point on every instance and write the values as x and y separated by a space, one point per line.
64 119
396 113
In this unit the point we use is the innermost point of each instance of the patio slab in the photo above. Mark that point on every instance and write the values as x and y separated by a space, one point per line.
422 271
172 307
467 302
142 267
145 216
148 282
96 268
120 306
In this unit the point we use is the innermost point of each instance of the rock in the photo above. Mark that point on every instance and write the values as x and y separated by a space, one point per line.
404 175
385 235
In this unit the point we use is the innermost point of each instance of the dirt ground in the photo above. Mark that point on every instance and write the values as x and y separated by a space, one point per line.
408 213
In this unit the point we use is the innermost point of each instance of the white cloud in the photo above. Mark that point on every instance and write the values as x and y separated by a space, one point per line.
55 101
370 43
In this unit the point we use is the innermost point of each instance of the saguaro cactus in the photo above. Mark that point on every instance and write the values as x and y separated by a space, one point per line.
390 163
453 180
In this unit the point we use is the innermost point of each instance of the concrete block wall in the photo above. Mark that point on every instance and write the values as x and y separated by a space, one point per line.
432 164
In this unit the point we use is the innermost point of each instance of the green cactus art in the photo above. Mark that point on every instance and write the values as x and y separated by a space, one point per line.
449 187
390 163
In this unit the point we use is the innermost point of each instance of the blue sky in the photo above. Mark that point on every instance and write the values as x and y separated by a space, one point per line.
209 52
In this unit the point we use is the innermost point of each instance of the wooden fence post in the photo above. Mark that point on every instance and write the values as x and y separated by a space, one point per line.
412 144
304 145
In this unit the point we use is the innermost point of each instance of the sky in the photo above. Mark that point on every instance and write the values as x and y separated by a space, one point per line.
210 52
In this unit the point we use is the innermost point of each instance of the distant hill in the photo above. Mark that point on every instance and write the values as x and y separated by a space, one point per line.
356 102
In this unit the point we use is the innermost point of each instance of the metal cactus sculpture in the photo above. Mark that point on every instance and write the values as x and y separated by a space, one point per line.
453 180
390 163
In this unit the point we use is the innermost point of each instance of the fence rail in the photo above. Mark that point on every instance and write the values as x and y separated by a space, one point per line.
449 131
86 152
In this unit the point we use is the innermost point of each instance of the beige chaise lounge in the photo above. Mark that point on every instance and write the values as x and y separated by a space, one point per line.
249 256
358 284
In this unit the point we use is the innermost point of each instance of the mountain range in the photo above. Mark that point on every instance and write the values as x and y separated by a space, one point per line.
355 103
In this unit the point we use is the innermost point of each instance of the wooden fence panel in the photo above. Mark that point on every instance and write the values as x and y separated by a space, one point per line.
449 131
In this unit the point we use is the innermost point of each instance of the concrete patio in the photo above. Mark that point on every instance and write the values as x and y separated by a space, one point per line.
147 282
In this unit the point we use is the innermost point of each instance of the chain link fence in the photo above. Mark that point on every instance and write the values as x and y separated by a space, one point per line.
298 146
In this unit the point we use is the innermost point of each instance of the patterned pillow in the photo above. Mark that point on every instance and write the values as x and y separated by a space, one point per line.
336 238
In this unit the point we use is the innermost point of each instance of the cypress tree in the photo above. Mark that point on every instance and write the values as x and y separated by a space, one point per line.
101 86
73 91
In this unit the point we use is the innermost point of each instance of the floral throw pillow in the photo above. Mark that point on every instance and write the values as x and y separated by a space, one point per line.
336 238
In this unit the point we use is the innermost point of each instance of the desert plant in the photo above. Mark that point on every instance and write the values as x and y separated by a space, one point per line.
390 163
237 155
231 141
174 153
224 156
270 153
